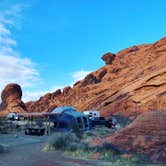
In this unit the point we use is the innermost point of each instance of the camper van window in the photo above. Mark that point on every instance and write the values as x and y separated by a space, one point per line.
79 122
85 122
90 114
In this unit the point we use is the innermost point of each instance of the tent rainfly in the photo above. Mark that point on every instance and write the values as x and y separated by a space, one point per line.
65 118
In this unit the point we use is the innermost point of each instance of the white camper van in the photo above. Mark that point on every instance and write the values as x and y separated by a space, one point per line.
92 113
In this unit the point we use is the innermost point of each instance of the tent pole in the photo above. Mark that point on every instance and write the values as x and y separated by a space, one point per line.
48 125
45 123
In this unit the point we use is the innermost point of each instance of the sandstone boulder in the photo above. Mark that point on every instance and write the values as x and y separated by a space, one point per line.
11 99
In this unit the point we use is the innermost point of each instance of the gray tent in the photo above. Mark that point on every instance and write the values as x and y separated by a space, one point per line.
66 118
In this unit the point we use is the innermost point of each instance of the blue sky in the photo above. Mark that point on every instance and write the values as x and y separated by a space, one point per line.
49 44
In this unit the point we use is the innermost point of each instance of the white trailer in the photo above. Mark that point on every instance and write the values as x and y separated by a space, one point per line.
92 113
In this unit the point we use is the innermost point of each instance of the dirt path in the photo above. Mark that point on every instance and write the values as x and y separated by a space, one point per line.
29 153
32 155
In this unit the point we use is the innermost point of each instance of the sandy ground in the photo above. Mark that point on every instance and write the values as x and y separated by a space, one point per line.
27 151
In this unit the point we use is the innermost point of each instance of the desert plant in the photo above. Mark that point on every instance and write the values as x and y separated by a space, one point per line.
108 147
78 132
66 142
102 131
62 141
72 146
1 149
123 120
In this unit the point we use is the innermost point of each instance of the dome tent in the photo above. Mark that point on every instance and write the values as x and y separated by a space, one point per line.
65 118
64 109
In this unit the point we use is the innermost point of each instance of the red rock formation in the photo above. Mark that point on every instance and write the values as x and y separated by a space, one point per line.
56 93
11 99
135 82
67 90
108 58
146 134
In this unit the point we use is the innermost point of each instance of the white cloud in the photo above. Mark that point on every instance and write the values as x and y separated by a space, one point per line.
7 41
35 95
18 70
13 66
32 96
79 75
3 30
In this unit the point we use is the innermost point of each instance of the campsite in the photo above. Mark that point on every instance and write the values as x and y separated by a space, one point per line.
61 119
19 136
82 83
64 134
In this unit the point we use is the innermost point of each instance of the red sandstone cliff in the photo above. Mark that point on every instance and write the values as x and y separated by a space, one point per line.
132 81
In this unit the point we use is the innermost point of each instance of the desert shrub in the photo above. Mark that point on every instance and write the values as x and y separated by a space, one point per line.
70 144
62 141
1 149
102 131
78 133
65 141
1 120
89 133
77 146
108 147
123 120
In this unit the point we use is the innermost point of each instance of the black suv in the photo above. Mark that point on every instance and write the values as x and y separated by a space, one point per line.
101 121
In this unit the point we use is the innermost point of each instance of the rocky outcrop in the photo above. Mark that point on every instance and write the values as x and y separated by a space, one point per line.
11 99
135 82
108 58
56 93
67 90
131 82
146 134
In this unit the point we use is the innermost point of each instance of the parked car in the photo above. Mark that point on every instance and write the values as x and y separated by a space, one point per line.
101 121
